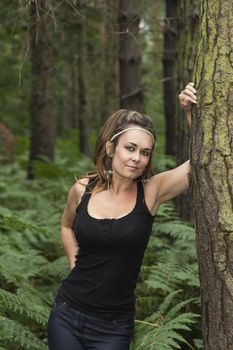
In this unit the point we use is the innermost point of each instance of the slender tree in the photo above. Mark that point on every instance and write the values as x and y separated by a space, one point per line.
42 117
131 96
84 109
170 74
68 74
212 172
109 101
187 39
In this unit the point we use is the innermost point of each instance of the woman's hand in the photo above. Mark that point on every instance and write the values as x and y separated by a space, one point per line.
187 97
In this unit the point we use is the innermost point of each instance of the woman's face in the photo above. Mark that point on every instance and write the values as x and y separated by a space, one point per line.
132 154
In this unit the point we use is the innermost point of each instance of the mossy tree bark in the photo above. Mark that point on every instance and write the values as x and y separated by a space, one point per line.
187 40
212 172
170 75
41 107
131 96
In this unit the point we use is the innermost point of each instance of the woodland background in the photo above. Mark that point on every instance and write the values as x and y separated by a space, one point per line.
65 67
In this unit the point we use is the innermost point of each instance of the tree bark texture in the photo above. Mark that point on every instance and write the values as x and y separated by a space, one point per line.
109 101
131 96
187 40
42 117
212 172
69 97
84 109
170 75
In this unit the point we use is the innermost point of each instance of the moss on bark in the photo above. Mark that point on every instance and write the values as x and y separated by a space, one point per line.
212 171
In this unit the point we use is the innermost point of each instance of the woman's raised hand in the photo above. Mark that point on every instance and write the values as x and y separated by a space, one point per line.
187 97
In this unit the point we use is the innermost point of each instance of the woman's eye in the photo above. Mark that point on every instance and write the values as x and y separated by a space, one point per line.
145 153
129 148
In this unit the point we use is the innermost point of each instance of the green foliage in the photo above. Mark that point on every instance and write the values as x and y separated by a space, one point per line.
24 306
169 266
17 335
31 257
161 330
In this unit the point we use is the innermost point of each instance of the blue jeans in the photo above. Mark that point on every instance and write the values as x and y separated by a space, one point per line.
69 329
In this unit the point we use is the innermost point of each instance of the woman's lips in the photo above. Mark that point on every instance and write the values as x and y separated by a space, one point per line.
132 167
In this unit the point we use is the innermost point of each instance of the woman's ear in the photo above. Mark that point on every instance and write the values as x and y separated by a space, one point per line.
110 148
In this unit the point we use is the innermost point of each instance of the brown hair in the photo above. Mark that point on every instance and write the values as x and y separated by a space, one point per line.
114 124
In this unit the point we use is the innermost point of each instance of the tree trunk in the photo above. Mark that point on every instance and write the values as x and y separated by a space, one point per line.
84 110
42 118
74 94
170 75
212 172
131 96
68 88
188 15
109 101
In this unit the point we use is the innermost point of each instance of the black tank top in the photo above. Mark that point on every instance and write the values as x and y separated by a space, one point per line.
103 281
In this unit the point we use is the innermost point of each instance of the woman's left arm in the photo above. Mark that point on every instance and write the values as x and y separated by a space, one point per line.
170 184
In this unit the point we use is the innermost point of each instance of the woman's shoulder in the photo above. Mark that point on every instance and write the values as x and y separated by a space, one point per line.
78 189
79 186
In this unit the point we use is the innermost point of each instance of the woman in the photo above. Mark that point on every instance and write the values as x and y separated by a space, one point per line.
106 226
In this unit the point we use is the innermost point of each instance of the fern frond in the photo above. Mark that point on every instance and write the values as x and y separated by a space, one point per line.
172 312
161 330
17 267
165 306
18 224
27 307
167 276
14 334
56 269
177 229
166 212
161 277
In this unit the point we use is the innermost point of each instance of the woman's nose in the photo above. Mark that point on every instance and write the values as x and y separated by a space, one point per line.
135 156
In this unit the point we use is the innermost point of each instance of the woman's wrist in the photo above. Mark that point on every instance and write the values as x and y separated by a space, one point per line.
189 118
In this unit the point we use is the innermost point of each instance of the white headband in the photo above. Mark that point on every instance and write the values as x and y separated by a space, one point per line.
133 128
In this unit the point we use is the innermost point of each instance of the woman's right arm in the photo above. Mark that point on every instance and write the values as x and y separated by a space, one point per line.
67 234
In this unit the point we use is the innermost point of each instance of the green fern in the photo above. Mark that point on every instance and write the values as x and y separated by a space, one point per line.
169 264
56 269
162 330
167 276
9 221
14 333
20 234
17 267
176 229
23 304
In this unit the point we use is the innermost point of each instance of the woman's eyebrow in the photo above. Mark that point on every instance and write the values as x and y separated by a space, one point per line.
146 148
134 144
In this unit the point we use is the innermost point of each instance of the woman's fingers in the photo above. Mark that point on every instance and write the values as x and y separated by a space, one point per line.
188 95
190 91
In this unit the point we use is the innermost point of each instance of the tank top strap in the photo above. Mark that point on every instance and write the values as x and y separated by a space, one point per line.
85 197
140 195
90 186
